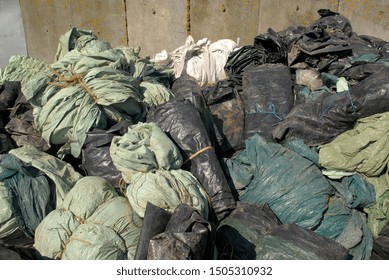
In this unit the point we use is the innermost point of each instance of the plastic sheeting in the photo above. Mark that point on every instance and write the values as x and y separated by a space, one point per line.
289 179
31 196
254 233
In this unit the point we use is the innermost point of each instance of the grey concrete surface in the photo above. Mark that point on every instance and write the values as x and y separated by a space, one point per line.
155 25
12 39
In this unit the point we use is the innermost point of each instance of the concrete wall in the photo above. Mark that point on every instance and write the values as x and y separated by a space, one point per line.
155 25
12 40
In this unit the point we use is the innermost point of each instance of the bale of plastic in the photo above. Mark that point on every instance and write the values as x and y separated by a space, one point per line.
267 98
253 232
150 165
22 68
180 119
364 149
321 120
94 223
144 147
372 93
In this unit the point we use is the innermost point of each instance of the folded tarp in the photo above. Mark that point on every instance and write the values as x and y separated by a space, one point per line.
93 223
182 122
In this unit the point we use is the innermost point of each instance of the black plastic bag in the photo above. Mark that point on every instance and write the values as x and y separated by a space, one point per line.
373 94
267 97
320 121
21 125
186 236
273 45
227 109
155 221
332 20
96 159
254 233
182 122
242 58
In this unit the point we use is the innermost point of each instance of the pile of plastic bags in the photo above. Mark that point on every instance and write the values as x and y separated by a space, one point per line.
275 150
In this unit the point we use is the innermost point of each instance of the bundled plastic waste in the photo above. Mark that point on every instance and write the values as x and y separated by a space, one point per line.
274 150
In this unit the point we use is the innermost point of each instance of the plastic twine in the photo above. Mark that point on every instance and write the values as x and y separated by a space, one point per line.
72 80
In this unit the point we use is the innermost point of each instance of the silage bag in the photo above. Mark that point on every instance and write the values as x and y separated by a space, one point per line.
94 223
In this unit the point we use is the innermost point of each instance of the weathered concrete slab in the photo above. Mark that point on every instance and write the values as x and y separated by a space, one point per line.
46 20
12 39
280 14
225 19
156 25
368 17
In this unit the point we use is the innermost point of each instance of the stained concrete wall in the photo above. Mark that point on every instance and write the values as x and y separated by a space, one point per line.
155 25
12 41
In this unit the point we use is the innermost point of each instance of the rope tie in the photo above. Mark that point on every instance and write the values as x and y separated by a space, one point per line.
198 153
72 80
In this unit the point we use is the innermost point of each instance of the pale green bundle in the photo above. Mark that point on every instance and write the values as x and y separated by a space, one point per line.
86 89
145 147
364 149
95 223
166 190
150 165
22 68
